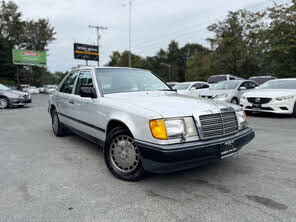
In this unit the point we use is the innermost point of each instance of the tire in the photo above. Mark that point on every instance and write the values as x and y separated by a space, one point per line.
234 101
4 103
57 127
294 111
123 160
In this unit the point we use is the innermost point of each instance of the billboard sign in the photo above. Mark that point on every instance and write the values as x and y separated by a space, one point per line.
86 52
28 57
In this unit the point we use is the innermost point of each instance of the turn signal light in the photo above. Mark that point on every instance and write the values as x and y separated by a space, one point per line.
158 129
246 117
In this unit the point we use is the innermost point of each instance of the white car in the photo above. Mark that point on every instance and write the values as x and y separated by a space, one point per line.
191 88
49 88
32 90
275 96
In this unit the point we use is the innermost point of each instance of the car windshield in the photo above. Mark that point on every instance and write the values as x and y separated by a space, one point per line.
182 86
279 84
4 88
215 79
232 84
128 80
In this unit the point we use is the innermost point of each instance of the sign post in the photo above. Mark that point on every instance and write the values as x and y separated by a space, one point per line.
86 52
28 58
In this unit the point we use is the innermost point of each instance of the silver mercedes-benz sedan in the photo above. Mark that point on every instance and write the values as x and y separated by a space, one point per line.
144 125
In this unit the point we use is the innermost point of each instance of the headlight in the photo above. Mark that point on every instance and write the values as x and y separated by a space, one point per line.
284 98
173 128
241 119
221 96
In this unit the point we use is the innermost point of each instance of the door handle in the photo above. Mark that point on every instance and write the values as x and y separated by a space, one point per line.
71 101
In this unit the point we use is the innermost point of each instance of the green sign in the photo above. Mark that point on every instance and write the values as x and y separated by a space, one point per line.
28 57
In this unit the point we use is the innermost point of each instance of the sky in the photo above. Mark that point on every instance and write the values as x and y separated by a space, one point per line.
154 24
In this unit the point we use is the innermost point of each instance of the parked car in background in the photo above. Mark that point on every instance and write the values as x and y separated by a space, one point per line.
41 89
11 98
172 84
142 124
32 90
24 87
191 88
223 77
229 91
261 79
49 88
275 96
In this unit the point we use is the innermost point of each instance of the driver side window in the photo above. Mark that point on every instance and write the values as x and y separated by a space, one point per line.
68 85
84 80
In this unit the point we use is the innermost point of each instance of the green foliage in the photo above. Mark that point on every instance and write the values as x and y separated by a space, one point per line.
22 34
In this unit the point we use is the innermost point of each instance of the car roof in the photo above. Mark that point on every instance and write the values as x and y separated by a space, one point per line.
283 79
106 67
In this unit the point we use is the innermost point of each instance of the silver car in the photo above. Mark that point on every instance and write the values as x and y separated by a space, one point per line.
229 91
13 98
144 125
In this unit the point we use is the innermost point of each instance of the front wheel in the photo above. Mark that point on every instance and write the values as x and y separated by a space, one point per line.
122 156
294 111
234 101
4 103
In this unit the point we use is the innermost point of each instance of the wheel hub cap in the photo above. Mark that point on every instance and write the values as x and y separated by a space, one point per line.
3 103
124 154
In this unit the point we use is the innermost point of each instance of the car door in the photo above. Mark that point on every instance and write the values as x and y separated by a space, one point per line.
64 98
86 111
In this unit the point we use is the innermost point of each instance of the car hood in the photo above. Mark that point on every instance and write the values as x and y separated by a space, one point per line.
171 104
213 92
12 92
270 93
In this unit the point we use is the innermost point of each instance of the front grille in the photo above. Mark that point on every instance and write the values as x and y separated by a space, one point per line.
26 96
219 124
257 100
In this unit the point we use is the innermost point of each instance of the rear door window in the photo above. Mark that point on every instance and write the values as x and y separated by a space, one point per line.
68 85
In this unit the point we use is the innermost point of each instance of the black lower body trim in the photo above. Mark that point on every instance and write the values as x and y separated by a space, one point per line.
86 136
175 157
82 122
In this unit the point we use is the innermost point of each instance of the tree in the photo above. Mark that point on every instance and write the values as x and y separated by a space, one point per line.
16 33
280 40
236 46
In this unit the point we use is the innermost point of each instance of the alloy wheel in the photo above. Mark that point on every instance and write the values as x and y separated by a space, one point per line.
124 154
3 103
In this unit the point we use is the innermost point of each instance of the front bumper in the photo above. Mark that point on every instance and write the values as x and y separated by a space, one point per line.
279 107
169 158
19 101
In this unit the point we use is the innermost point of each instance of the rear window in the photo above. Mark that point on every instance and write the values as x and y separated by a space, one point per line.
216 79
261 80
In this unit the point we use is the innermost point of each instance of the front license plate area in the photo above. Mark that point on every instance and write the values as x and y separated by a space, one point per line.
256 107
228 149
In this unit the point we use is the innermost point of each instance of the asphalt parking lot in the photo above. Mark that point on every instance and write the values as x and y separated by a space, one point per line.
44 178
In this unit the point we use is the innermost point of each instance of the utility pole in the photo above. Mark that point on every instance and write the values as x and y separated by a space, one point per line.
130 4
98 28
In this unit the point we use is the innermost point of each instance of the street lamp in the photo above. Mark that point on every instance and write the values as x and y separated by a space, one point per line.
130 32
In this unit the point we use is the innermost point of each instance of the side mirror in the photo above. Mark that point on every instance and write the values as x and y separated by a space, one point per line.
192 88
88 92
242 88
